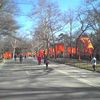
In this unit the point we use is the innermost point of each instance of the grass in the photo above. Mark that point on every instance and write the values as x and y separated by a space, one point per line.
83 64
0 61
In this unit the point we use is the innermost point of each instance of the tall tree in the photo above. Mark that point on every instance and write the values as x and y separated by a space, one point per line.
93 11
7 21
49 20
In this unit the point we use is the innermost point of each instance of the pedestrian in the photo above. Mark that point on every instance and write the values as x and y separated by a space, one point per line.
20 58
47 62
25 56
45 58
15 56
93 62
39 59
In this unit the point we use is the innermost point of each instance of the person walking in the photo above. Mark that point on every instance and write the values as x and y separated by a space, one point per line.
45 58
46 62
15 56
25 56
39 59
20 58
93 62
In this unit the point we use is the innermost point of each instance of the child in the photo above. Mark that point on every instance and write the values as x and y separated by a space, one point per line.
46 62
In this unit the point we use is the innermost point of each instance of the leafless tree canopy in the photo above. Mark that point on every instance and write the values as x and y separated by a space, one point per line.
49 21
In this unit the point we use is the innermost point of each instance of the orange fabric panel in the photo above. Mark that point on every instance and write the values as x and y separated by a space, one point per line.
41 52
86 41
88 46
7 55
90 51
51 51
59 48
71 50
29 53
46 51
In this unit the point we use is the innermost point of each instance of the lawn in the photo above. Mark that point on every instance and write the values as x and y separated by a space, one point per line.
83 64
0 61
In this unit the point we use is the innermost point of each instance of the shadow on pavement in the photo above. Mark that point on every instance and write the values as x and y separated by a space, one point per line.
50 93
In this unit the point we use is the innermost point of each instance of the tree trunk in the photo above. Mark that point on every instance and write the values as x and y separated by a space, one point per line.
13 52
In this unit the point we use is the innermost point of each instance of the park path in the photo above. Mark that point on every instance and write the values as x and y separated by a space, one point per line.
29 81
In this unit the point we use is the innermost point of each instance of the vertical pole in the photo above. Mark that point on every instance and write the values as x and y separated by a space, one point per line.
14 48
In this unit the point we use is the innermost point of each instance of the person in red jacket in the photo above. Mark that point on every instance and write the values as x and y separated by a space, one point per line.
39 59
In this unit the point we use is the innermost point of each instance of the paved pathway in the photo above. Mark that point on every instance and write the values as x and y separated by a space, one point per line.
29 81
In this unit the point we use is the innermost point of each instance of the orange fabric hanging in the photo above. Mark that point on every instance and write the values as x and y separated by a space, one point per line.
51 51
86 41
71 50
59 47
7 55
88 46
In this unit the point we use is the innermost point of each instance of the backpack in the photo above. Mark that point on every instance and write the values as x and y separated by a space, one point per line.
94 61
47 61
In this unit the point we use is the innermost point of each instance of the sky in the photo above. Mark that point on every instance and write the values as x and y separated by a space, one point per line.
25 7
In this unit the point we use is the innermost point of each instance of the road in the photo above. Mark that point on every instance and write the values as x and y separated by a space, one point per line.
29 81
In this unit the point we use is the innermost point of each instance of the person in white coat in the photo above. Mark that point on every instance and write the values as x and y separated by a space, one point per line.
93 62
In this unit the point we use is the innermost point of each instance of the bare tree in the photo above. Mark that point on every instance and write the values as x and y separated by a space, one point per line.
92 19
70 20
93 11
49 21
7 21
65 39
8 25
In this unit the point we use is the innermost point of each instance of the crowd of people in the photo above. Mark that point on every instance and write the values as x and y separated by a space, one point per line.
20 56
46 61
39 58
